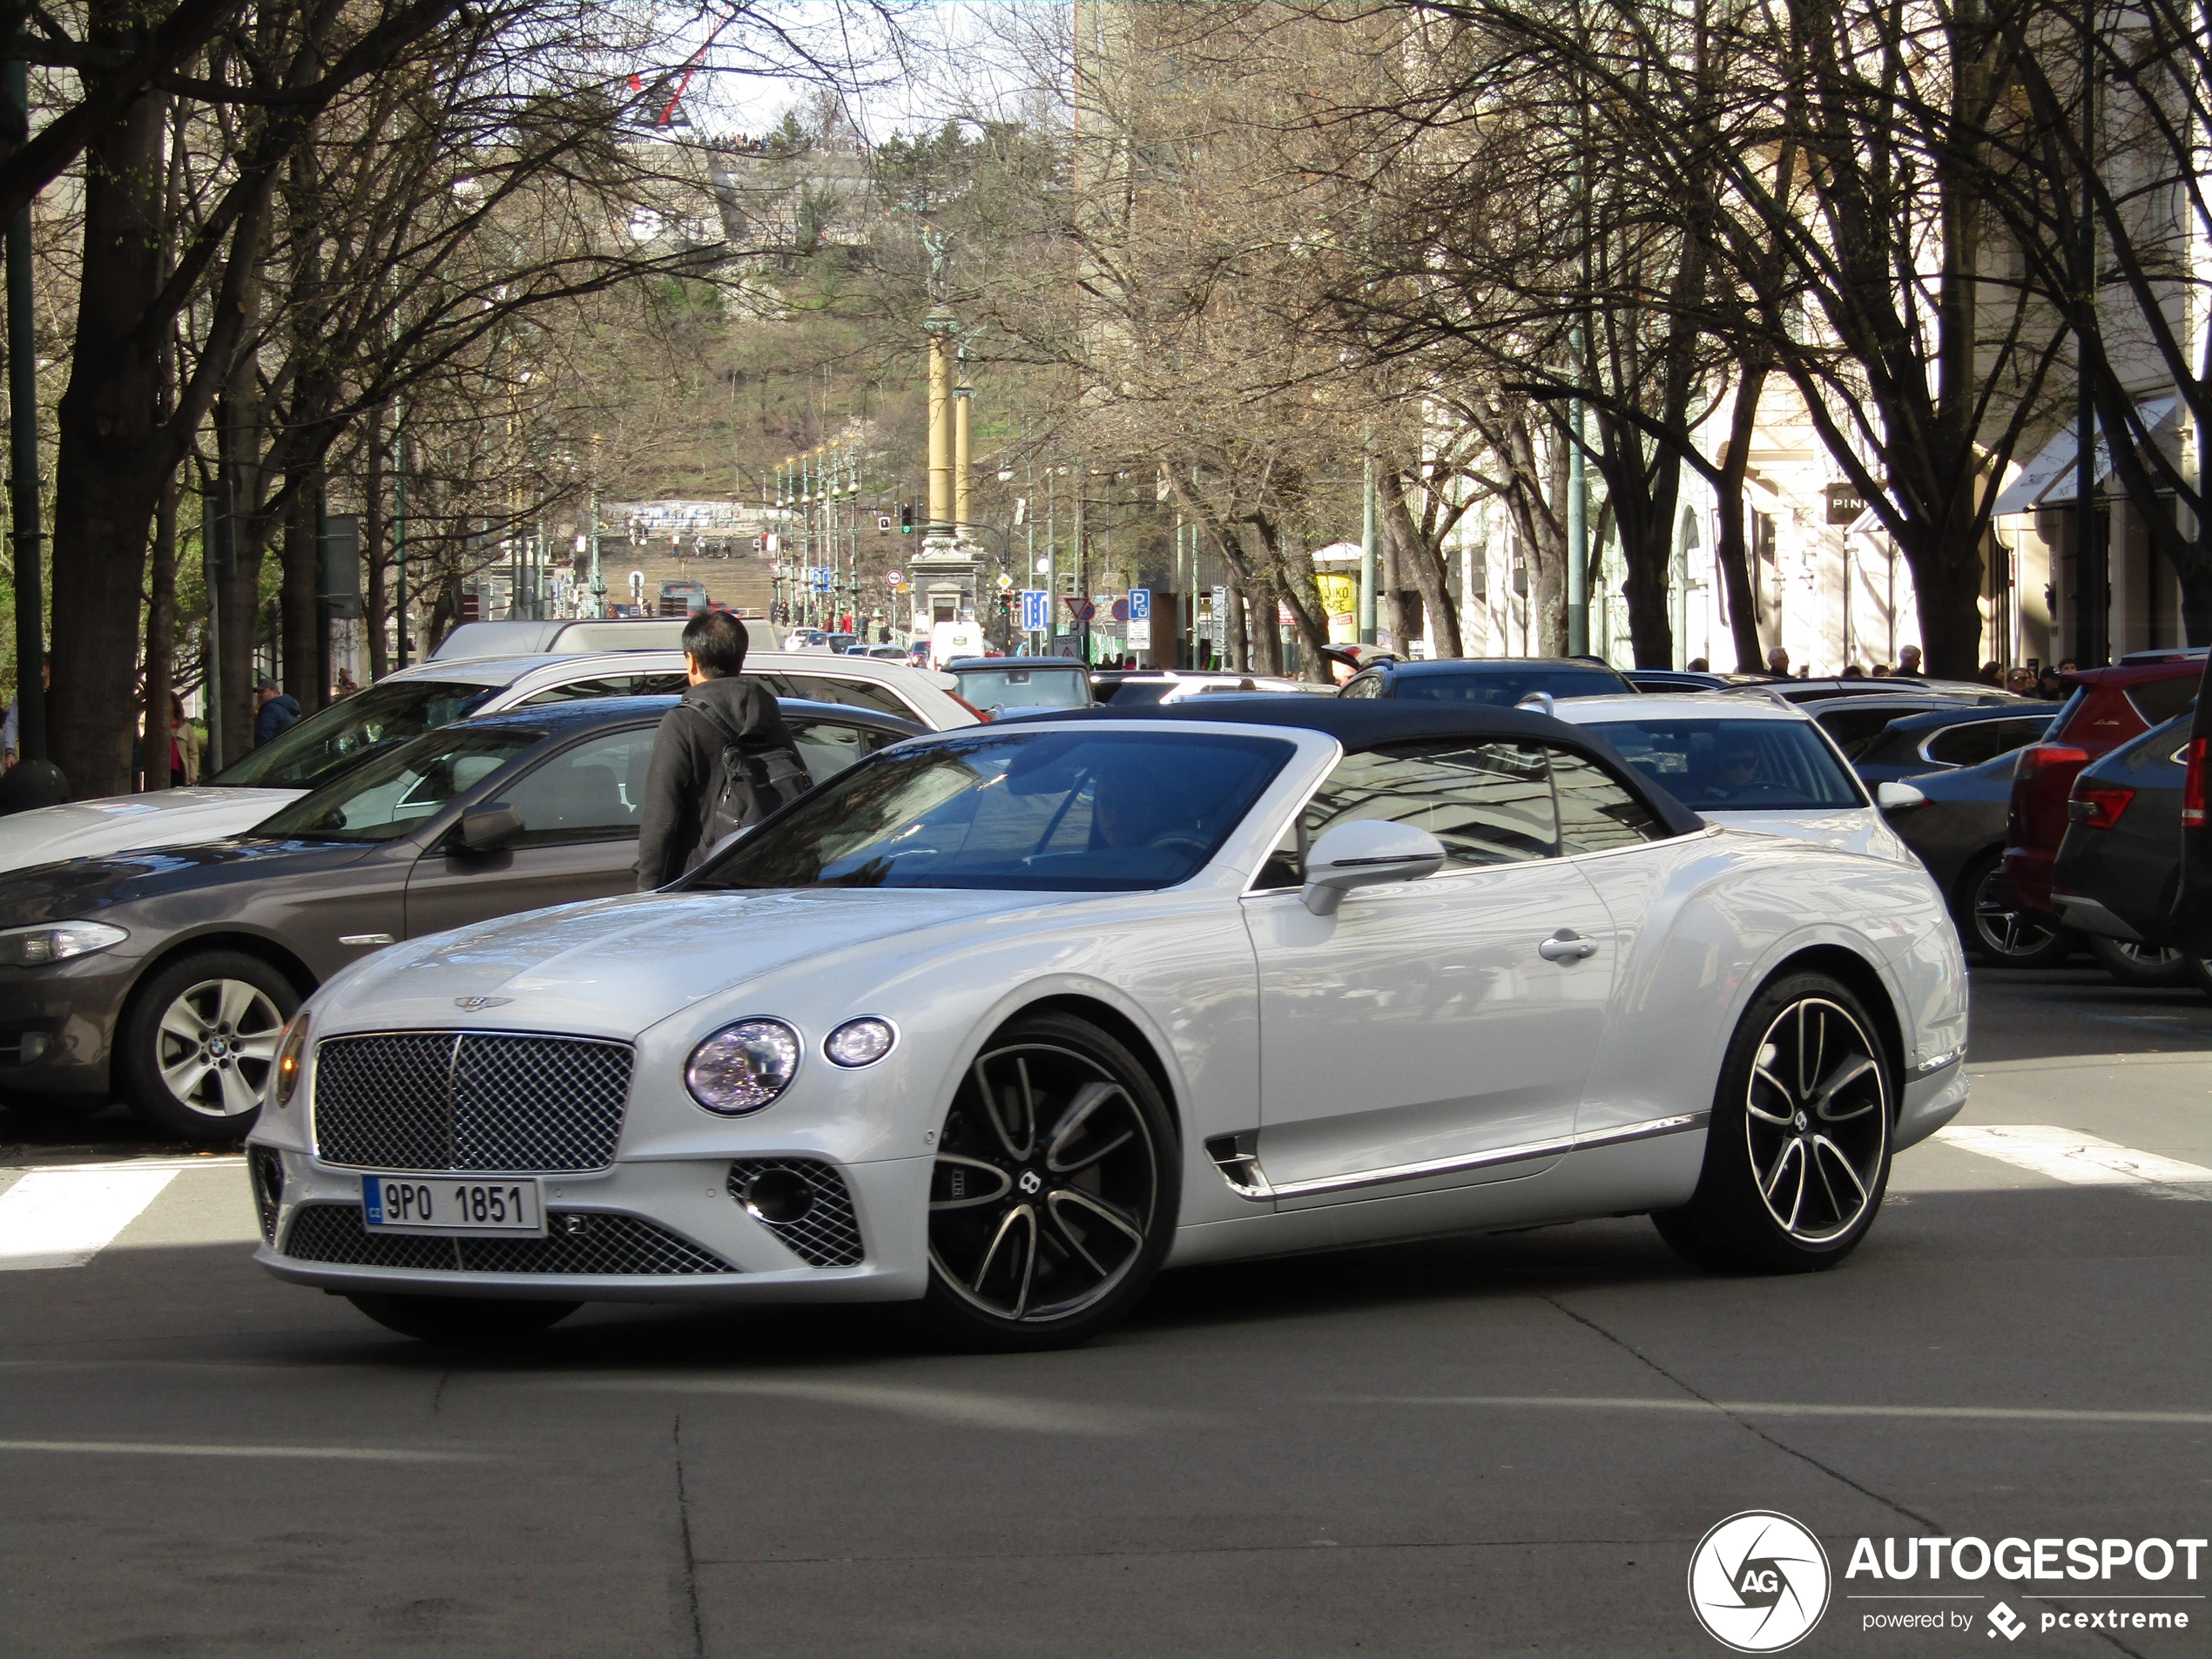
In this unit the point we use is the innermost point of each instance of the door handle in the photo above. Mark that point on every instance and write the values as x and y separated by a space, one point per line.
1566 946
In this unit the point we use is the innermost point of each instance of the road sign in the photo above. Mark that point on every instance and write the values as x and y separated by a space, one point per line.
1036 609
1139 636
883 523
1140 604
1005 581
1220 622
636 587
1082 609
1120 611
892 576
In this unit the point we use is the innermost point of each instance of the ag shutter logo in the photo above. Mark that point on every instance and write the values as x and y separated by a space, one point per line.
1758 1581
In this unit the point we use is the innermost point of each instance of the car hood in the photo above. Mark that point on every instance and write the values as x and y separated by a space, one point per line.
121 823
82 888
1857 829
614 966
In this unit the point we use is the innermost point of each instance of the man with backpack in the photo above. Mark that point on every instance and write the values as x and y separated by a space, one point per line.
722 759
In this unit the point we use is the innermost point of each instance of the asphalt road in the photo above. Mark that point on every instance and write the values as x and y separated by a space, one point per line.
1498 1444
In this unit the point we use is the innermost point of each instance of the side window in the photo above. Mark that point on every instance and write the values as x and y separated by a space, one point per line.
606 685
1596 811
829 746
1855 730
1969 745
590 793
1365 685
834 688
1488 803
2158 701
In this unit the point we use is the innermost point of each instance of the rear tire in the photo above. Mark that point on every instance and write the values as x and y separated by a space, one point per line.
1999 932
195 1049
461 1321
1798 1155
2140 964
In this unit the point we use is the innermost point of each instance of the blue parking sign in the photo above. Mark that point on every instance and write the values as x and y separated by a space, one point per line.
1036 609
1140 604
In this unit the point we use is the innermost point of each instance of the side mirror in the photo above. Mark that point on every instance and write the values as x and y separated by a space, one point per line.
1897 798
486 829
1366 852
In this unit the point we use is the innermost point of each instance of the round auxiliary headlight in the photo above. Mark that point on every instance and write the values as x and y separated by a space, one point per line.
860 1042
743 1066
291 1060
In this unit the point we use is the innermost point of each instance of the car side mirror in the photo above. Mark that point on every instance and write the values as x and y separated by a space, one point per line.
1366 852
1897 798
486 829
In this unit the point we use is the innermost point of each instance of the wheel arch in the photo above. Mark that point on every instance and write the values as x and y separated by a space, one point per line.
1116 1025
246 944
1864 982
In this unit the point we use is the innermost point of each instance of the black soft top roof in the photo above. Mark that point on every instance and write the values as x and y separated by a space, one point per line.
1373 722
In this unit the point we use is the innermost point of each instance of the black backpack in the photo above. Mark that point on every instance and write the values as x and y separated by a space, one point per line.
750 781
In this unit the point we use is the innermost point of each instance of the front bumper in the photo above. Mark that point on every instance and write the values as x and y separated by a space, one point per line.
672 1227
68 1011
1931 1099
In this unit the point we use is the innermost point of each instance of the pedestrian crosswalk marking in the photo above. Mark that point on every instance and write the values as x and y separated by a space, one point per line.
2079 1159
64 1217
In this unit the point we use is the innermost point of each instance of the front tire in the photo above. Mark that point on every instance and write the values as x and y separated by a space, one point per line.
2144 965
1054 1194
1797 1156
461 1321
198 1044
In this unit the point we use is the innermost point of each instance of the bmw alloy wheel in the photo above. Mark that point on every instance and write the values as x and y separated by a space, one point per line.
2003 934
217 1041
1816 1121
1047 1195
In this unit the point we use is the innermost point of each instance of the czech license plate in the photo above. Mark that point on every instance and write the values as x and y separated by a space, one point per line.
441 1204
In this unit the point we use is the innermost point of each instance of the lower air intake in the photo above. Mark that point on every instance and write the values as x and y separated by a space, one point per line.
823 1232
578 1241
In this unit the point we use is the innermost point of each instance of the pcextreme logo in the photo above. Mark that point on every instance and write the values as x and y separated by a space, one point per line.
1758 1581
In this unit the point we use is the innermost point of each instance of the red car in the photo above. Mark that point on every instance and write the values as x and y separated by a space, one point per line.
2108 707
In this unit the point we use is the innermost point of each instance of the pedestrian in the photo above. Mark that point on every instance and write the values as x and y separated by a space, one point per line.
722 759
2019 682
1698 665
183 746
1881 671
2049 686
274 711
1853 671
2067 666
1992 673
1777 662
1908 662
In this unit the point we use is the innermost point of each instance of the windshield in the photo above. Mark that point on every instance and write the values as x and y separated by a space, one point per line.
386 797
1025 688
1735 765
1502 688
1061 811
328 741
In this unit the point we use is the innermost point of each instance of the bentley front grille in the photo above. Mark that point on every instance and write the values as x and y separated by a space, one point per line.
577 1241
804 1204
470 1100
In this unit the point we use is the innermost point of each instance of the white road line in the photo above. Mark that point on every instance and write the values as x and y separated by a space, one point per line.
64 1217
2079 1159
2058 1415
170 1448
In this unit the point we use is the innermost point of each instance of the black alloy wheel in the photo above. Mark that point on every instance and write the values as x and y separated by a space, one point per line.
1054 1193
196 1046
2147 967
1999 931
1797 1156
461 1321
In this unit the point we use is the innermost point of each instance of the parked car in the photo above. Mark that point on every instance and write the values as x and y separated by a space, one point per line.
577 635
167 974
1762 766
420 699
1938 740
1498 682
2108 707
928 1033
1133 689
1811 690
1021 685
2119 865
1692 679
1957 828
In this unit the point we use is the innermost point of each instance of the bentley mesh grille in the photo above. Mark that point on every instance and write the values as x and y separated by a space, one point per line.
267 1169
470 1100
828 1235
599 1245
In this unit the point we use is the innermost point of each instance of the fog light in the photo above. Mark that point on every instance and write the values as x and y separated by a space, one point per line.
780 1196
35 1044
860 1042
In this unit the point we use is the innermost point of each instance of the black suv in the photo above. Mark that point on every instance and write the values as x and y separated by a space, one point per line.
1499 681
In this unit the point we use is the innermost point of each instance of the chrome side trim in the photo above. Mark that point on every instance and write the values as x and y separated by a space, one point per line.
1237 1158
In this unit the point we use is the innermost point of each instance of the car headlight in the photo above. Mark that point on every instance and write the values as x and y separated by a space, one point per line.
56 942
291 1061
743 1066
860 1042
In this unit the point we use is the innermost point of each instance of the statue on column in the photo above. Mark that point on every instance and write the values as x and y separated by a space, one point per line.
934 240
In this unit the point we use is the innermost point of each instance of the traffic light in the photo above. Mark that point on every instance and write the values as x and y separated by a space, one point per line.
905 518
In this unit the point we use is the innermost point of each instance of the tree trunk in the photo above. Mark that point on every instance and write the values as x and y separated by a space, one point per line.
376 604
298 603
1420 551
112 454
1732 550
161 637
1240 648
